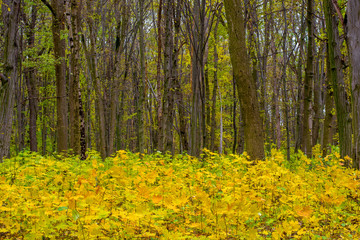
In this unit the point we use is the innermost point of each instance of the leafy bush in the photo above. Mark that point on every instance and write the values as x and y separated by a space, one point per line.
156 196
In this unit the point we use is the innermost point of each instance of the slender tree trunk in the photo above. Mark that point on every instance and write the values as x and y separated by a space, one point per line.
300 94
254 139
234 116
177 81
122 26
317 102
141 100
74 104
329 105
91 62
306 146
57 9
286 103
10 16
168 100
353 35
215 88
44 115
157 130
198 30
31 82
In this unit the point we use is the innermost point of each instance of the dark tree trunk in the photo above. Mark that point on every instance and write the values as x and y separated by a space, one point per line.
10 16
74 103
58 26
141 100
329 105
286 103
215 88
179 98
300 93
337 80
31 82
306 144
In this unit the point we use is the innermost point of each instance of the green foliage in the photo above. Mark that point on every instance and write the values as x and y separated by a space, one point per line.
156 196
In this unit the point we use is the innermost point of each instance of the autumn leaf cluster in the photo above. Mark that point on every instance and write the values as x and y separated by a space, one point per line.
163 197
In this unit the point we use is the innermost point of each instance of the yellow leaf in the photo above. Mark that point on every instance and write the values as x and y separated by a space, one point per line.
94 163
9 9
252 233
72 203
156 199
303 211
94 229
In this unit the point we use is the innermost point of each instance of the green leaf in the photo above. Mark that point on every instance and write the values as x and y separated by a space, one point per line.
75 214
62 208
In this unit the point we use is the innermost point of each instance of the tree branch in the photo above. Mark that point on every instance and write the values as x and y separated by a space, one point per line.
338 11
3 79
50 8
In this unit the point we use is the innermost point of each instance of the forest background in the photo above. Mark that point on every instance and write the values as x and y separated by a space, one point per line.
180 76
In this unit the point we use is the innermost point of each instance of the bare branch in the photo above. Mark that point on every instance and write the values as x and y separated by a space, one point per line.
50 8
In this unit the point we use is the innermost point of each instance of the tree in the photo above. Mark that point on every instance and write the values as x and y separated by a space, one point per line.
337 80
74 90
308 82
10 10
31 81
353 36
57 9
254 140
141 86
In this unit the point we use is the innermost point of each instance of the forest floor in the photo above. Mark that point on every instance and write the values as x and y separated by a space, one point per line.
163 197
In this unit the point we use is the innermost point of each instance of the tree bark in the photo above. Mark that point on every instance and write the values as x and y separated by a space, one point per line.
353 35
91 62
58 26
215 87
254 139
10 15
31 82
284 76
122 26
337 80
306 144
179 98
74 88
141 100
166 135
329 105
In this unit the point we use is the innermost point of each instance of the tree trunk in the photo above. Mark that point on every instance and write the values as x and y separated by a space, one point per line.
10 14
316 107
198 30
74 90
177 81
300 95
215 88
306 145
91 62
286 103
353 31
141 100
329 105
58 26
31 83
254 139
166 135
122 26
337 80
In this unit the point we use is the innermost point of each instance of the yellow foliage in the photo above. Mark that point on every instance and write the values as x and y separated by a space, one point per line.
152 196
